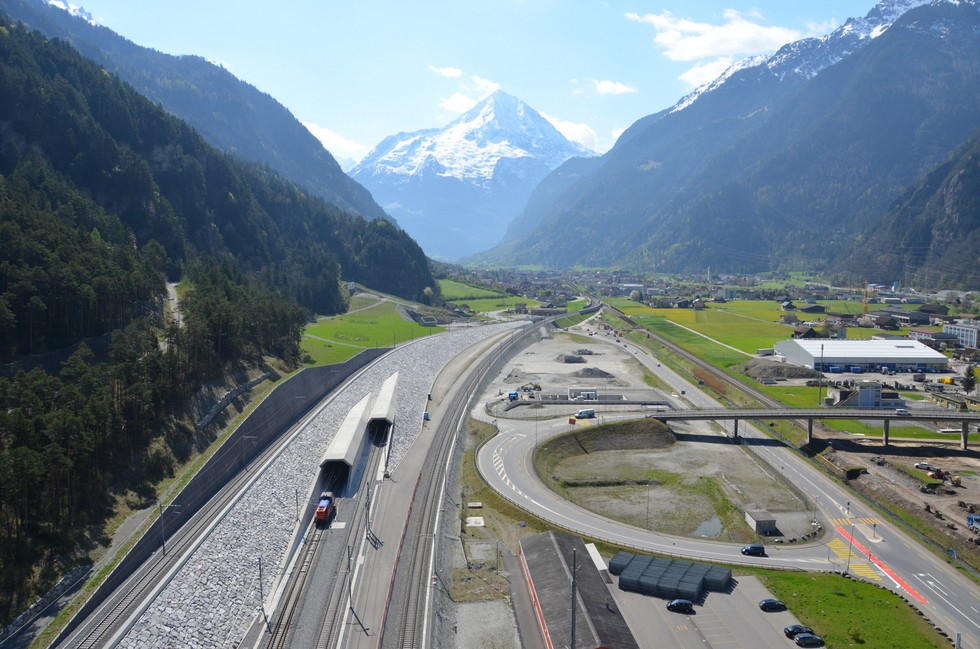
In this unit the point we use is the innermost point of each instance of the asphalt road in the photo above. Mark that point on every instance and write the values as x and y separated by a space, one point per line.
862 542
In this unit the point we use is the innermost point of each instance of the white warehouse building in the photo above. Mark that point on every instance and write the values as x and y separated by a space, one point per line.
867 355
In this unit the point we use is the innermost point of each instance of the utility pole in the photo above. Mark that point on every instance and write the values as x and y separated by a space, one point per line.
574 569
163 529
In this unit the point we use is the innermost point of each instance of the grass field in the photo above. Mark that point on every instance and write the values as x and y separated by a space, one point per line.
749 324
335 339
454 291
851 613
486 305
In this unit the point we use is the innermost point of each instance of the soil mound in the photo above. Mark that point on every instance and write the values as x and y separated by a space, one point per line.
570 358
592 373
759 368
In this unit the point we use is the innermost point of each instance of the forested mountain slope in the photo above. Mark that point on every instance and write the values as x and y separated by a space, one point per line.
231 114
931 234
778 165
102 196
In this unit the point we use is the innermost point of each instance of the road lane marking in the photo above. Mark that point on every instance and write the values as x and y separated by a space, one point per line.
878 562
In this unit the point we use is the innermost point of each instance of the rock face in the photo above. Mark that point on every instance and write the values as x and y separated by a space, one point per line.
456 189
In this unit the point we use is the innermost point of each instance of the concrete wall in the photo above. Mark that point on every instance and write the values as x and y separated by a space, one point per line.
287 403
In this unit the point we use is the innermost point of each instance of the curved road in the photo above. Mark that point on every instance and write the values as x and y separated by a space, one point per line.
866 545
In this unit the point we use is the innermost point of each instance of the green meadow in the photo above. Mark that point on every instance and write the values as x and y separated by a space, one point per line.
453 291
480 300
369 323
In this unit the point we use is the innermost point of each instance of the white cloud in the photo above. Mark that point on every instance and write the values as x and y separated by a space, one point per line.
336 144
613 88
483 87
686 40
472 90
449 73
816 29
705 72
457 103
714 46
576 132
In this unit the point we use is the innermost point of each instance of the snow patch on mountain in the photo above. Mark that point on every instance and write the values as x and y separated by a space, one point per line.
74 10
808 57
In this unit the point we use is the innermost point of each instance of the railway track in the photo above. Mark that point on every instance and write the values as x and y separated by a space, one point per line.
406 625
297 583
107 626
352 532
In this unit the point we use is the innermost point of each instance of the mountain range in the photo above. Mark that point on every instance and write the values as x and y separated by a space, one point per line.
781 163
231 114
455 189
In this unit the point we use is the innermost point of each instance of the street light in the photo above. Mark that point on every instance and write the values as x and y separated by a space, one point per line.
850 545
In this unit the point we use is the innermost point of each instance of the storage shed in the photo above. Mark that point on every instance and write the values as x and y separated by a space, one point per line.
761 521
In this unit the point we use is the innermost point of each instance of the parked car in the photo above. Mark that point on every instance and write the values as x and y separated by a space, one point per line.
772 605
794 630
754 550
680 606
808 640
925 466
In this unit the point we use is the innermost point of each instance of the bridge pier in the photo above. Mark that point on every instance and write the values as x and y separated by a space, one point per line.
736 430
809 430
965 433
884 428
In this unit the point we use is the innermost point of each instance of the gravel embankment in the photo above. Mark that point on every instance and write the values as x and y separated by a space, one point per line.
213 598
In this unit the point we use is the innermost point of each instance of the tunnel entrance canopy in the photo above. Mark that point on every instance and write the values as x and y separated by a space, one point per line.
382 417
346 445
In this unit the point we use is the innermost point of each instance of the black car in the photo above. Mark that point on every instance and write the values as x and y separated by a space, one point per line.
772 605
808 640
680 606
794 630
754 549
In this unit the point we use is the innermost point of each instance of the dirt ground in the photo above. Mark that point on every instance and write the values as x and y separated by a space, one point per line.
944 508
744 479
680 508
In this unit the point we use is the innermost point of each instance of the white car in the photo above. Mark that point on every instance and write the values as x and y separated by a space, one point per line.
925 466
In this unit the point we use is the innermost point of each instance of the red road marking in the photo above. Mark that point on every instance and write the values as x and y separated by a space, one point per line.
891 573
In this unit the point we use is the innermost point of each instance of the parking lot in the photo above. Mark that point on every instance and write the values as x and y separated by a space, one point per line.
722 621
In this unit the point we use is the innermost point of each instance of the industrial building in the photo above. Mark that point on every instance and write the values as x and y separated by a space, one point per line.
966 331
861 355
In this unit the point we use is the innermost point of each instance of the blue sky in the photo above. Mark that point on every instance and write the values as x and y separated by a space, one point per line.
356 71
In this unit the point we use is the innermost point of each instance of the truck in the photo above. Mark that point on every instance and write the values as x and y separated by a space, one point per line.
324 508
973 522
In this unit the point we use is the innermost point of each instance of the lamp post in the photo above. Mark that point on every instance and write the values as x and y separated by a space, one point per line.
850 545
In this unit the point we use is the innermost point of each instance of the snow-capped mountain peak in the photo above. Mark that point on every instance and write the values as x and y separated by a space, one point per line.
455 189
469 148
807 57
74 10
